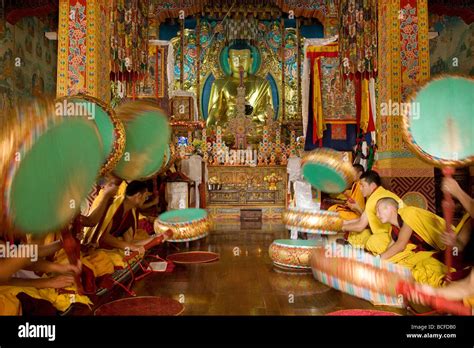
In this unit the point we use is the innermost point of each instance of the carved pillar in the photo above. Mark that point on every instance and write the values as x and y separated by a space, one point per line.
84 48
403 64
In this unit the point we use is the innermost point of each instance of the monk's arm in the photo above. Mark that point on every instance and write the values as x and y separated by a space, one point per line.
94 217
52 267
61 281
113 242
400 244
9 266
357 225
49 249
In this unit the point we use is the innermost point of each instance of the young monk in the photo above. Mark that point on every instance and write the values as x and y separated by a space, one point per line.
376 239
416 240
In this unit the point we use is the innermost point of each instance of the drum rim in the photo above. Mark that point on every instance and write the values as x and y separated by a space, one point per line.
275 242
408 137
345 169
189 239
149 107
41 125
118 147
179 224
313 231
312 211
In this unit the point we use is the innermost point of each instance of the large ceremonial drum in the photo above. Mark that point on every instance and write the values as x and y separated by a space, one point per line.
326 170
48 163
111 129
359 274
439 123
148 134
313 221
291 253
186 224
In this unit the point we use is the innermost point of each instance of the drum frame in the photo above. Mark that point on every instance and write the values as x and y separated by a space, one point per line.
119 131
330 158
276 249
416 149
305 220
184 229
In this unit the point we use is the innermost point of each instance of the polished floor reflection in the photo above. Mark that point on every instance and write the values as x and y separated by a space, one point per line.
244 280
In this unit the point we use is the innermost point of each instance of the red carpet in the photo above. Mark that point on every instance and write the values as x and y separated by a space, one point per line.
362 312
193 257
141 306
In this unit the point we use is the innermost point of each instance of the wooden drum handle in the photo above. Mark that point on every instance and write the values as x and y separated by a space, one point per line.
408 290
154 242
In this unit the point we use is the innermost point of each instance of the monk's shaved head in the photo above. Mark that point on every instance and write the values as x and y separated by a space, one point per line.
387 201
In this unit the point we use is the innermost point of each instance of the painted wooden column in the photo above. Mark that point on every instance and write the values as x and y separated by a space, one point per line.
84 48
403 64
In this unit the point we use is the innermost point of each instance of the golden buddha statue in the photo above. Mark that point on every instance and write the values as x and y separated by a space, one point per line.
223 99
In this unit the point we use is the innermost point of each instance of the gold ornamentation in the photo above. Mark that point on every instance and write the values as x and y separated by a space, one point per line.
291 256
184 232
313 221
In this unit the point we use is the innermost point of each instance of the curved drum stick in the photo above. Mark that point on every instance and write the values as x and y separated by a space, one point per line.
448 211
409 291
154 242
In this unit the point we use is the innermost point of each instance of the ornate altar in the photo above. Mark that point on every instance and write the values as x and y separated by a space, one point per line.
245 187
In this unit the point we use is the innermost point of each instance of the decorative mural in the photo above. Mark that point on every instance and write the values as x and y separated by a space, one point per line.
27 62
452 50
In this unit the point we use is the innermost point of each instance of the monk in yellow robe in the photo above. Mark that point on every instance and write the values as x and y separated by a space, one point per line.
118 226
376 239
355 201
416 240
21 279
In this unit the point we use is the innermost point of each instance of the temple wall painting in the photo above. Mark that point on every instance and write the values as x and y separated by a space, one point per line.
28 61
452 50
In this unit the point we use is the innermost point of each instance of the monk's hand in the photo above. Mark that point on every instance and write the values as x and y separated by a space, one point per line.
67 268
448 239
352 205
139 248
449 185
110 189
58 282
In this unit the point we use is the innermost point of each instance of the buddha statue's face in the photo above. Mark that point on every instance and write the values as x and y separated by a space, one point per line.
239 58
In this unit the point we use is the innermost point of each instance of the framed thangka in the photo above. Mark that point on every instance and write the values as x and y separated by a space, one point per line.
152 85
338 94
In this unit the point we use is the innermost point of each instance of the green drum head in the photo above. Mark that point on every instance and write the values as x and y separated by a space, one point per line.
441 120
310 243
54 176
324 178
147 138
102 121
183 215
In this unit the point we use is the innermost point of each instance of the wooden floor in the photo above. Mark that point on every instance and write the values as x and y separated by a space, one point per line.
244 280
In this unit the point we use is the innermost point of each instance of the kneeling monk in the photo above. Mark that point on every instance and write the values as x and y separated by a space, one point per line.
416 240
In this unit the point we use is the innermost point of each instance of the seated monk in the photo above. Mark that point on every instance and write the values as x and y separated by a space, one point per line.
355 203
117 227
416 240
51 286
376 239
